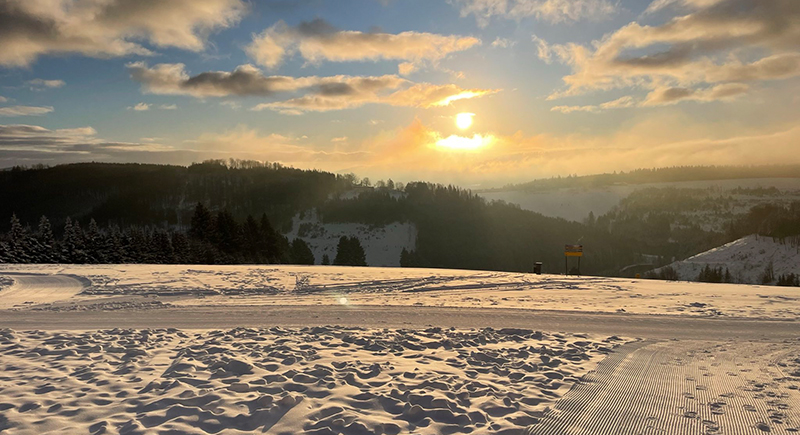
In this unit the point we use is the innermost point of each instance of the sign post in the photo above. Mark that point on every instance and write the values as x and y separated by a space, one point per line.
572 251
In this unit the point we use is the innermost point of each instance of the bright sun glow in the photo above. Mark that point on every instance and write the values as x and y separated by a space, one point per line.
464 120
465 143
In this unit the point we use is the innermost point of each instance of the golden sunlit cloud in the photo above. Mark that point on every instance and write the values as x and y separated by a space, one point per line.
464 120
473 143
463 95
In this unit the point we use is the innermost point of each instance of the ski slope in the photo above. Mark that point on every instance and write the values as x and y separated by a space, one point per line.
746 259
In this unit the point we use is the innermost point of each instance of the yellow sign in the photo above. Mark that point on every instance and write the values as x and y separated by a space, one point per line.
573 250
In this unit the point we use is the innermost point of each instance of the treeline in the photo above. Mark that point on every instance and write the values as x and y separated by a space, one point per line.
163 195
458 229
211 239
660 175
715 275
771 220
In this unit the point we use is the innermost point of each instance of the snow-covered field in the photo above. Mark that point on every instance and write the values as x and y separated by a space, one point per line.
746 259
417 380
323 380
101 287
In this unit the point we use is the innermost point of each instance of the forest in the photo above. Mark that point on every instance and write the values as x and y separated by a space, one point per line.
237 212
211 238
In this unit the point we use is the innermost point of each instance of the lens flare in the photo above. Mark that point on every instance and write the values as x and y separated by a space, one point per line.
464 120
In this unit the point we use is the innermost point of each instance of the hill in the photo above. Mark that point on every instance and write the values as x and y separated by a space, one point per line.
657 175
454 228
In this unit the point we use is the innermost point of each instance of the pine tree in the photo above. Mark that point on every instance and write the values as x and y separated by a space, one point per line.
202 223
114 251
359 256
326 260
95 243
180 245
342 252
18 245
252 241
228 233
301 253
46 242
165 254
349 252
271 244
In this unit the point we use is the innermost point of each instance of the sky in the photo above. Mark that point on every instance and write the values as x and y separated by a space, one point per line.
474 92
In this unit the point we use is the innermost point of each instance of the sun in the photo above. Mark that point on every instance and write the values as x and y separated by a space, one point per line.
464 120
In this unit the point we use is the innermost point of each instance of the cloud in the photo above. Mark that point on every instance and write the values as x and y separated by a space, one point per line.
140 107
25 110
705 46
244 80
503 43
3 99
664 96
21 144
108 28
317 93
318 41
554 11
422 95
620 103
406 68
168 107
42 84
543 50
339 139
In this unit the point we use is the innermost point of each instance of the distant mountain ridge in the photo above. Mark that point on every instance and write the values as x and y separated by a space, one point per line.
657 175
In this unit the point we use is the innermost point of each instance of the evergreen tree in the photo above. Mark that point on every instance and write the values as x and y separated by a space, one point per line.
114 250
73 246
202 223
181 247
301 253
18 248
270 246
228 235
349 252
326 260
94 243
46 242
252 241
164 252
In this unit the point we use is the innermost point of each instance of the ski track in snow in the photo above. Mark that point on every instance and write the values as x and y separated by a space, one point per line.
40 289
683 388
202 285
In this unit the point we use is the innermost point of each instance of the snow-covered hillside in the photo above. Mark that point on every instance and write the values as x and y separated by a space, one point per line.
382 244
746 259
